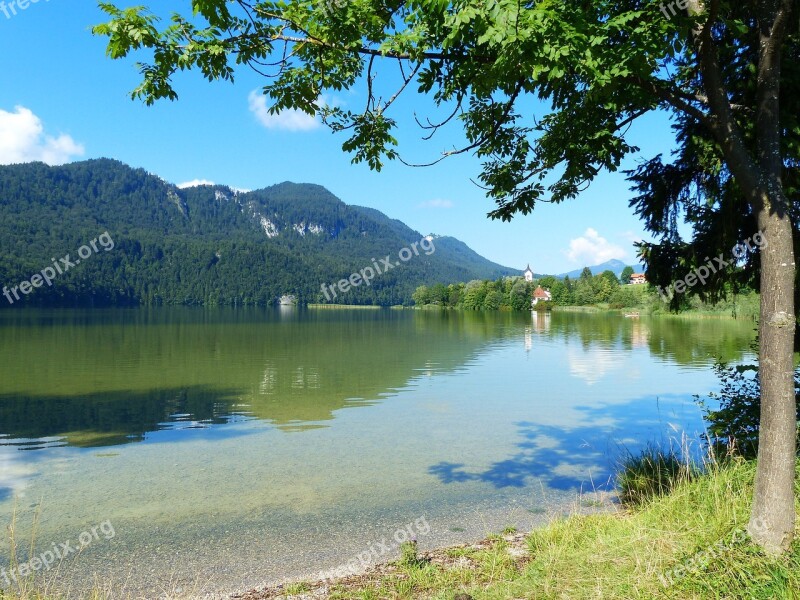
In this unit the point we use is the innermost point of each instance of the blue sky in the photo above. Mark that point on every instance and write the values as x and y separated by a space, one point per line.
62 100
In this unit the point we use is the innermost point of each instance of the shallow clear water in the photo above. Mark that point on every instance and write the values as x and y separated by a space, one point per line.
230 448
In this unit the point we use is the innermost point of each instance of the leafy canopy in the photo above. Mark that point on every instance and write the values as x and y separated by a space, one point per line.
597 65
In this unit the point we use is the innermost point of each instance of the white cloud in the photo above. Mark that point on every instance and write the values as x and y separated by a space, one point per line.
593 364
437 203
593 249
22 139
194 183
289 120
630 236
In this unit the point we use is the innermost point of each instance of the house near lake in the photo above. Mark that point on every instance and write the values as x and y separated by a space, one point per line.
638 279
540 295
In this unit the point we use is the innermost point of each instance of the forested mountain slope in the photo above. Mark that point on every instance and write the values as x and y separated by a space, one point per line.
204 245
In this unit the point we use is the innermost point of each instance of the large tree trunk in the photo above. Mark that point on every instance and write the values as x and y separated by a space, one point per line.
773 513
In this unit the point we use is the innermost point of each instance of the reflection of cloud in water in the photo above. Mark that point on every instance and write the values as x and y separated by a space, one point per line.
592 364
15 472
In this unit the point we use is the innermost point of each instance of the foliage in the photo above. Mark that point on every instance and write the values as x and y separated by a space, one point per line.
733 420
697 187
625 297
543 306
604 289
599 68
625 276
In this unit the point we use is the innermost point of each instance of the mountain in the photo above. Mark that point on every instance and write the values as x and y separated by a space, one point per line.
617 266
207 245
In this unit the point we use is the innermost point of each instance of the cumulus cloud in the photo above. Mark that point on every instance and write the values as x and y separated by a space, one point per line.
592 365
194 183
288 120
22 139
593 249
437 203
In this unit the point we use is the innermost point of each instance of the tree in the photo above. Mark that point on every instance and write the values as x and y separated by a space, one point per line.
455 292
438 294
547 282
624 297
421 295
474 294
493 300
603 288
625 276
521 295
611 277
598 67
561 294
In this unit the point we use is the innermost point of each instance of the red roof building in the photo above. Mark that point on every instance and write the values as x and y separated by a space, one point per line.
638 279
541 295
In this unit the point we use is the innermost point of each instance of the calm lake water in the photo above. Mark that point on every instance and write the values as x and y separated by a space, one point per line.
228 448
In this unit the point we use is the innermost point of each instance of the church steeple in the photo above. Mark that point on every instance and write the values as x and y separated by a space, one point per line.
528 273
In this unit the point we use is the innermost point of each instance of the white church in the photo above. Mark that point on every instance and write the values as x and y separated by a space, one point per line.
528 273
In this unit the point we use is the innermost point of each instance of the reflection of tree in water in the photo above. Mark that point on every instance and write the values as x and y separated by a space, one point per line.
683 341
136 375
110 377
108 418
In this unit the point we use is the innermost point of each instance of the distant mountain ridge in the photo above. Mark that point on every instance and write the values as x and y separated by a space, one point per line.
209 245
614 265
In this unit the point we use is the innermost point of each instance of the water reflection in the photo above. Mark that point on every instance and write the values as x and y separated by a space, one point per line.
127 375
245 436
106 378
577 456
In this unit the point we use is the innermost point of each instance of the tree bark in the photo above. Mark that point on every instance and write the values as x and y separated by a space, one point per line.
773 516
772 519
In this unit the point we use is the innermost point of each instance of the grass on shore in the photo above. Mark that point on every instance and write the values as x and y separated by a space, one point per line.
687 543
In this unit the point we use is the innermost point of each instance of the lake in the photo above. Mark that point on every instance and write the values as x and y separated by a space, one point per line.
207 450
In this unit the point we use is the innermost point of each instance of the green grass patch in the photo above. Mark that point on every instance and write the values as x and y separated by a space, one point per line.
685 541
654 472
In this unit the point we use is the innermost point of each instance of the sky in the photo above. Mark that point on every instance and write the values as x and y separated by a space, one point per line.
63 100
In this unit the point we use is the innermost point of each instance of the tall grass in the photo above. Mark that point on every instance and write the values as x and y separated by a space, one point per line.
654 472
